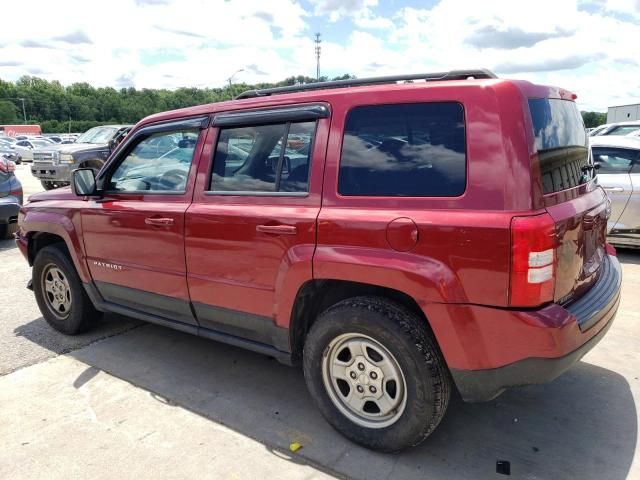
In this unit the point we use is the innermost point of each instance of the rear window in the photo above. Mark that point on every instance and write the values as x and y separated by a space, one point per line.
412 150
561 141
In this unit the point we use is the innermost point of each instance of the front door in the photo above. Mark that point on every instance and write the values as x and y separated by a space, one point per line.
251 230
134 235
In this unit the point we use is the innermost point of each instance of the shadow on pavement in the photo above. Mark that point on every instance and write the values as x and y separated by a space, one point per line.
629 255
583 425
7 244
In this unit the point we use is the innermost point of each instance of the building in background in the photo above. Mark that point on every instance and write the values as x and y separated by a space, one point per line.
623 113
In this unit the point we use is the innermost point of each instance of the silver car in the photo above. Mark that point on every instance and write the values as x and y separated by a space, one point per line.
619 175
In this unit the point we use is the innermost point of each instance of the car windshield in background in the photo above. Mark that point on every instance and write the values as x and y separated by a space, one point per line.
624 130
97 135
561 142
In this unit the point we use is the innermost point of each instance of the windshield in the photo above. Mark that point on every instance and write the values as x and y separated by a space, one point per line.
623 130
40 143
97 135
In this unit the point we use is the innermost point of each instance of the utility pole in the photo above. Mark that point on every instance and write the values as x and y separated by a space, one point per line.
24 111
318 42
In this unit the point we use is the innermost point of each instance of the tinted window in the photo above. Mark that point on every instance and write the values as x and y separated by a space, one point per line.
614 160
158 163
561 141
413 150
265 158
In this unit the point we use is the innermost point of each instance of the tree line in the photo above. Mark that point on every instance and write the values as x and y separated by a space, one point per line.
80 106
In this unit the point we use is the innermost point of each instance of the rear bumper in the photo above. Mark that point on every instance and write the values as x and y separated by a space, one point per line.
9 208
527 347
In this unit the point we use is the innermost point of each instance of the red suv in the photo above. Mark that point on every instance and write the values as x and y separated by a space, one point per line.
399 239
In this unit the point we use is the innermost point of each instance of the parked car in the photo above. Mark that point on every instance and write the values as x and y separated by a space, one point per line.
7 139
397 252
10 198
53 165
619 129
26 147
10 153
618 161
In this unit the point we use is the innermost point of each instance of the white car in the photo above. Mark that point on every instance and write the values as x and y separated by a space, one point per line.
618 129
618 161
26 147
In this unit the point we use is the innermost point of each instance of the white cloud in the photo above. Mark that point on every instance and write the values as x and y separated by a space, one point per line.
172 43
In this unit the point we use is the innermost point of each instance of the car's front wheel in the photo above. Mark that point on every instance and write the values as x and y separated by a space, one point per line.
376 373
59 292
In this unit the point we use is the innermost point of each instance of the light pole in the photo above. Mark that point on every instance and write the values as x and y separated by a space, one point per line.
24 111
230 79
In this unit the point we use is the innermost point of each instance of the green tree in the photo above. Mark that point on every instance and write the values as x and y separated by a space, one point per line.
593 119
8 114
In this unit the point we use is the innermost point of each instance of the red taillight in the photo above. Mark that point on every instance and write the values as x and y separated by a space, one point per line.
7 166
533 260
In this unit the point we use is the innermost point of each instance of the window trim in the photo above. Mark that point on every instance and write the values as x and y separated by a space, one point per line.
265 116
343 197
248 193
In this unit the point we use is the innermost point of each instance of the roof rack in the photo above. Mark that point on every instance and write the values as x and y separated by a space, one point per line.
354 82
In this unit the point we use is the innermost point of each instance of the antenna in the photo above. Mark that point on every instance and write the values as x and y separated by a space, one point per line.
318 48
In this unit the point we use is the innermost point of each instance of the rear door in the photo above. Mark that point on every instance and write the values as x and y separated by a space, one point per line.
571 196
251 230
615 177
629 223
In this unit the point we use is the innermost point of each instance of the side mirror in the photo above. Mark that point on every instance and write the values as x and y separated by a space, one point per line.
112 144
84 182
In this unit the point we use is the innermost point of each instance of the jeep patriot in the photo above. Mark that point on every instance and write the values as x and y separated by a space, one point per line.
397 239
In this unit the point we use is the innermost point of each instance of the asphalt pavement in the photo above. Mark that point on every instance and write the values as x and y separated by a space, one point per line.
131 400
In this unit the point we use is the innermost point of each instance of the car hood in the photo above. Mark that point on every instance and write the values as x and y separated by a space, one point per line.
63 193
71 147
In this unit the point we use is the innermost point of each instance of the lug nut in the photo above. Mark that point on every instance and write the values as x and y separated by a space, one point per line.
373 375
360 389
372 389
361 366
353 375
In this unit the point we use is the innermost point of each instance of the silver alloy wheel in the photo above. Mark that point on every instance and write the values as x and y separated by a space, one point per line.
57 292
364 380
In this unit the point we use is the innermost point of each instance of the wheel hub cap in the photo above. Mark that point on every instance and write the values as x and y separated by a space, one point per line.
364 381
57 291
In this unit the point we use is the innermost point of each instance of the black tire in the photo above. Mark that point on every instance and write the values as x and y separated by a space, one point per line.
82 315
8 230
48 185
407 338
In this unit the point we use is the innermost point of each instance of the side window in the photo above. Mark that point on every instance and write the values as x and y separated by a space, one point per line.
413 150
158 163
613 160
265 158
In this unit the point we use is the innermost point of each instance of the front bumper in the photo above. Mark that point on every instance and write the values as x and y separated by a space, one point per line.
547 341
9 208
50 172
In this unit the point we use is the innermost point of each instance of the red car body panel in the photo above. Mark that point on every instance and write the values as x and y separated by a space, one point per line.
450 254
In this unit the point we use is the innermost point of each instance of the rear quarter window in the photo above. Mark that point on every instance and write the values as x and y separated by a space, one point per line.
561 142
412 150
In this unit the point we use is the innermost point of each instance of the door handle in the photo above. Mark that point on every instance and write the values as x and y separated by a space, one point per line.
159 222
614 189
277 229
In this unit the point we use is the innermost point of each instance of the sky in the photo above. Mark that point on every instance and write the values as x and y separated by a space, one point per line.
591 47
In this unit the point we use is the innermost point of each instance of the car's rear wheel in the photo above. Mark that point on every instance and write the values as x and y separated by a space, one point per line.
376 373
59 292
8 230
